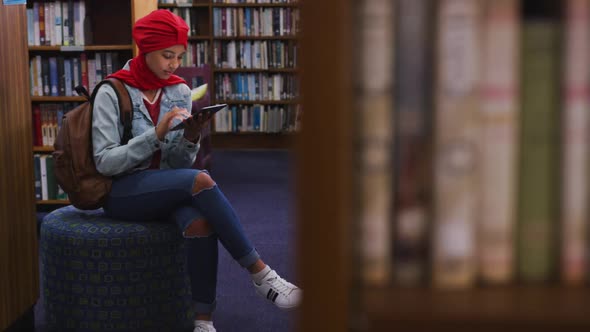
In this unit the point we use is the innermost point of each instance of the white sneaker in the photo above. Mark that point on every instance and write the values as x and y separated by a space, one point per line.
204 326
282 293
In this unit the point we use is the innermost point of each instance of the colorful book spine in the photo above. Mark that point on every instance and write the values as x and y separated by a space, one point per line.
575 138
538 195
412 179
455 143
499 141
375 134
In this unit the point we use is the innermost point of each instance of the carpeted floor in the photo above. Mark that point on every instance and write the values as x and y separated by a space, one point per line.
259 184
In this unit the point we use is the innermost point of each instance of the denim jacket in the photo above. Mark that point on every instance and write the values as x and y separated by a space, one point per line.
112 158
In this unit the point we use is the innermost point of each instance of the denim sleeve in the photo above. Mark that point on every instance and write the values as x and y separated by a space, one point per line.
181 152
110 157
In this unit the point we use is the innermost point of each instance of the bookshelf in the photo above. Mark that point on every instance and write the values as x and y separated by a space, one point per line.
328 203
65 51
19 288
219 32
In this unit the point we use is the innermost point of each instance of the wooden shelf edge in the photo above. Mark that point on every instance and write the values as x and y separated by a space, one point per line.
518 305
246 5
261 102
53 202
56 99
43 149
192 5
255 38
255 70
81 48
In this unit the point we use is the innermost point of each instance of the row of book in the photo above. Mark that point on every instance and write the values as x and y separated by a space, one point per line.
58 22
258 118
46 187
255 22
255 87
474 132
59 75
197 54
254 54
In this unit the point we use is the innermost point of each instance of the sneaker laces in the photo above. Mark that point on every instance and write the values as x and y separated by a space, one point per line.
281 285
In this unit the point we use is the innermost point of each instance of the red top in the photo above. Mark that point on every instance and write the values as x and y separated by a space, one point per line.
154 111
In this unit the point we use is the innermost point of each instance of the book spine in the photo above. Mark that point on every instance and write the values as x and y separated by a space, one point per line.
43 172
37 172
499 142
37 125
538 173
42 32
455 156
575 137
412 205
375 139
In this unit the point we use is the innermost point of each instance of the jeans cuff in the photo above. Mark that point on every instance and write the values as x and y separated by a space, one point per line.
204 308
249 259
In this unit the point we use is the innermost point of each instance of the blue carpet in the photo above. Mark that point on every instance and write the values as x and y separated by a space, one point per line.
260 187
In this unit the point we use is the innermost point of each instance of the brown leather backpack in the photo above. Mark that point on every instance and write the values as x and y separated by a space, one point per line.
75 170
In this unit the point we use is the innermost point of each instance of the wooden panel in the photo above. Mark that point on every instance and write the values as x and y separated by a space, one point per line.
324 170
516 308
19 288
139 9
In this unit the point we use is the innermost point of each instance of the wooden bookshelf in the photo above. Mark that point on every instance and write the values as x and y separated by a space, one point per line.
19 289
204 11
327 185
114 37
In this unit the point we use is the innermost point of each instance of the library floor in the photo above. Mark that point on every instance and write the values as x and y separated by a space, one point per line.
259 184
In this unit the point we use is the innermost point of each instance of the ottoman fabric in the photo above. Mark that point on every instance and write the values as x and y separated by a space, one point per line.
100 274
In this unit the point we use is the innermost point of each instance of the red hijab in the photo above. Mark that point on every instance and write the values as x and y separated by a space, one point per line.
157 30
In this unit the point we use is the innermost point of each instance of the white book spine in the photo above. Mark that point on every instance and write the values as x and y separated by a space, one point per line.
455 158
375 138
58 23
499 141
44 192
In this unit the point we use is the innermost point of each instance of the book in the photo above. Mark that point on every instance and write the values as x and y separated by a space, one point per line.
455 143
575 136
37 174
412 151
499 116
538 186
375 137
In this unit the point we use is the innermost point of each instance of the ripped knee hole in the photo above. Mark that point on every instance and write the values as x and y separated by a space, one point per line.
202 181
198 228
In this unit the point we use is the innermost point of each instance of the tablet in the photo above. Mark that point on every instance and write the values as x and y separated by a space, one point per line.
208 109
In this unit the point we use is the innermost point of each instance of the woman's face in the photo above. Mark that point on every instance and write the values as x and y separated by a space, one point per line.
164 62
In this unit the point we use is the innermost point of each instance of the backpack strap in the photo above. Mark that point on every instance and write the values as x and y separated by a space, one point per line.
125 106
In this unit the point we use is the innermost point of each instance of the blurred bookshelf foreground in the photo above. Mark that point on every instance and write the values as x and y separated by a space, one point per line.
473 130
450 191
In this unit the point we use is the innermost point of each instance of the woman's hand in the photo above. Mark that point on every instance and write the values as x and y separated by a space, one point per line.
164 125
194 124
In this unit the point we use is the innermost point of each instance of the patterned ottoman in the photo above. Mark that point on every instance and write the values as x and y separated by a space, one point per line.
100 274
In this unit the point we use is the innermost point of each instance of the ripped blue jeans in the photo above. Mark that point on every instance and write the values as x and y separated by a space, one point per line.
167 195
